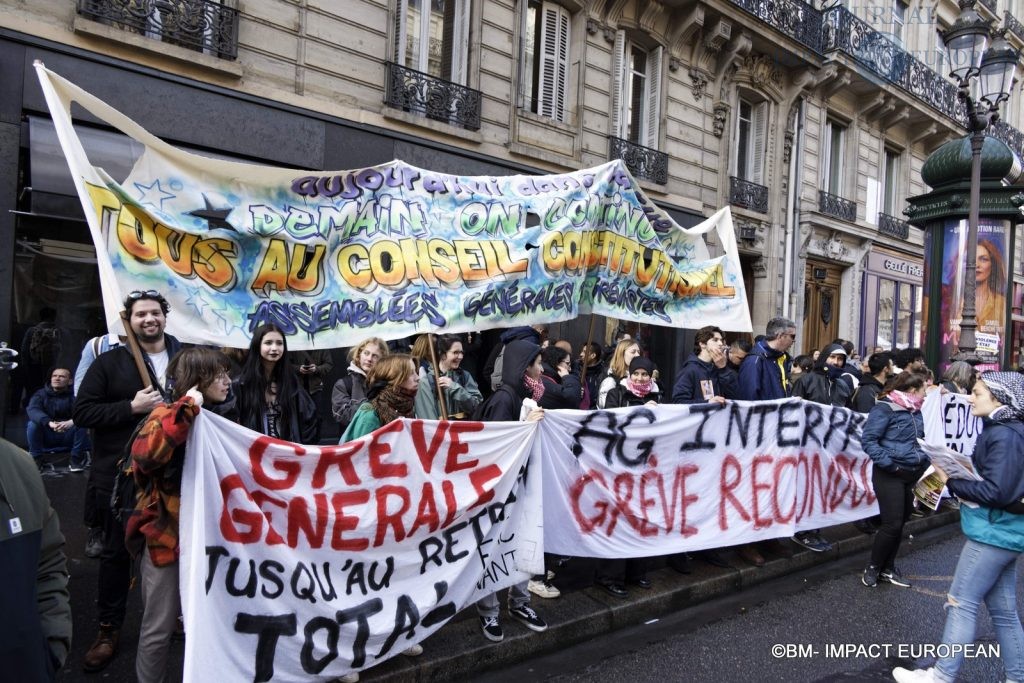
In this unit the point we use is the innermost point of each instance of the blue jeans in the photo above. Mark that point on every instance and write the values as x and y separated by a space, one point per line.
986 574
45 440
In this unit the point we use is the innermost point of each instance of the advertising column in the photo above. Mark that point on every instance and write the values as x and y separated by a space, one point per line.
990 290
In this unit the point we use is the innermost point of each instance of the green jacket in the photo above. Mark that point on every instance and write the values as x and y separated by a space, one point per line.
363 422
35 631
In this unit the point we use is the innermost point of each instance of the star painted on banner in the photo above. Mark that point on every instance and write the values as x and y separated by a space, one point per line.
215 218
223 313
153 195
197 300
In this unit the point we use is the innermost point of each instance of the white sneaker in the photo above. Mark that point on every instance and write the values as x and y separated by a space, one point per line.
348 678
543 589
902 675
413 650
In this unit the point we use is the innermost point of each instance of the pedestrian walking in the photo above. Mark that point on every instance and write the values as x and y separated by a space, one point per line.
992 519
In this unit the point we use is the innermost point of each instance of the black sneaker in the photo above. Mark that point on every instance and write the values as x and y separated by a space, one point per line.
492 629
808 540
823 542
870 576
528 618
894 577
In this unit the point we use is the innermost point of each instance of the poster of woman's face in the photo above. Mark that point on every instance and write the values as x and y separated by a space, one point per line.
990 287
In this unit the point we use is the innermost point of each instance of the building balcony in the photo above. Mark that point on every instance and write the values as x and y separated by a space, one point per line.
892 226
434 98
990 5
1013 25
643 162
837 207
202 25
793 18
883 59
748 195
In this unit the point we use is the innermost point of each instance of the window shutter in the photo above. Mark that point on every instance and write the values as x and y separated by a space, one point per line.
759 122
401 12
618 83
654 97
554 66
460 43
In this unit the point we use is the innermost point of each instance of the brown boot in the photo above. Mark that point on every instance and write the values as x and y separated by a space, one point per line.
102 650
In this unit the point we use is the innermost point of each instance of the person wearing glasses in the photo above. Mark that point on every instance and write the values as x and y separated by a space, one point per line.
112 400
764 372
200 381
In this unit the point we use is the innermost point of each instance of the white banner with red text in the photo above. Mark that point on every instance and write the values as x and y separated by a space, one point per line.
670 478
306 562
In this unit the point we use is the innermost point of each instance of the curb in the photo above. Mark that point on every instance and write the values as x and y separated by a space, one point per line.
459 651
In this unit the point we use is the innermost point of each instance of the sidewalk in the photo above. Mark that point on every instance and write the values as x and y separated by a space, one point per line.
459 651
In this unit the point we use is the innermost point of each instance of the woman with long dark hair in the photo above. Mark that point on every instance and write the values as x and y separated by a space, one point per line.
461 394
890 437
270 399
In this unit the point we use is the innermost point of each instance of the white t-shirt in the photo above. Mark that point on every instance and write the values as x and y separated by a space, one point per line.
160 361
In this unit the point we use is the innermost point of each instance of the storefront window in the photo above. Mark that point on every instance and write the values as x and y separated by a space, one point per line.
886 299
904 315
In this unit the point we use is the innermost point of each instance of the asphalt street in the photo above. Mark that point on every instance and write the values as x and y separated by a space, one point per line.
821 625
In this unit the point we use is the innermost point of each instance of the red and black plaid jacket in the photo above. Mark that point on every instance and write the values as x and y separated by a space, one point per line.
158 454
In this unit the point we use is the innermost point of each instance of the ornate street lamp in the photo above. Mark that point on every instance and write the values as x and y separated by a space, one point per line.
993 72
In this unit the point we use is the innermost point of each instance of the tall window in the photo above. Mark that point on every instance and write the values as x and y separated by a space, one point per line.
432 36
942 63
890 182
636 92
748 163
899 19
545 59
832 151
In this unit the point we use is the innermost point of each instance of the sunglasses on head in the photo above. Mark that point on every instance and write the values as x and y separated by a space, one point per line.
138 294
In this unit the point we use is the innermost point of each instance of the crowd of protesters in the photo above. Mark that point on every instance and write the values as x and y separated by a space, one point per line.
111 411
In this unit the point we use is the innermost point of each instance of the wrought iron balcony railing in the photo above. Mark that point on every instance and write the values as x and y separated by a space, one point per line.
748 195
1013 138
435 98
836 206
202 25
1013 25
643 162
892 226
884 59
794 18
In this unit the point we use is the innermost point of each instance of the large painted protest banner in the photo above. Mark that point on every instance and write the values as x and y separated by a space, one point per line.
668 478
304 563
391 250
948 421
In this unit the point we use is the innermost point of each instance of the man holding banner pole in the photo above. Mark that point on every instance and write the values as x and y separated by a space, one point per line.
112 401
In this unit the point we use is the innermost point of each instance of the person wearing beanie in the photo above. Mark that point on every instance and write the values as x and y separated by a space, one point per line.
635 389
993 523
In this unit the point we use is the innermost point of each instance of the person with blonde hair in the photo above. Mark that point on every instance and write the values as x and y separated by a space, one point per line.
350 391
625 351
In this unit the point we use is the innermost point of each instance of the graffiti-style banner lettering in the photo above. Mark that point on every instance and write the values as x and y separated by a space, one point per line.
664 479
391 250
305 562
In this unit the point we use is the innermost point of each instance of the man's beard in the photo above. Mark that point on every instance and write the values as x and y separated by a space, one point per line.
143 336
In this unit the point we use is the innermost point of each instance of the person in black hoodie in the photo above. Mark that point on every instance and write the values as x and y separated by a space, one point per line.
590 362
635 389
112 401
825 385
562 389
706 376
881 369
492 370
520 379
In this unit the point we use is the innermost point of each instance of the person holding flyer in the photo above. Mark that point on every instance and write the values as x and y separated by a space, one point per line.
994 527
889 437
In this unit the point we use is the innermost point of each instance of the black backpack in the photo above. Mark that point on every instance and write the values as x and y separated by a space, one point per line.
125 493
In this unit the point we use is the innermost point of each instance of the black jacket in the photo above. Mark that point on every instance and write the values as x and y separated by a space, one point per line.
823 384
506 402
560 392
687 388
35 632
104 404
621 397
866 395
